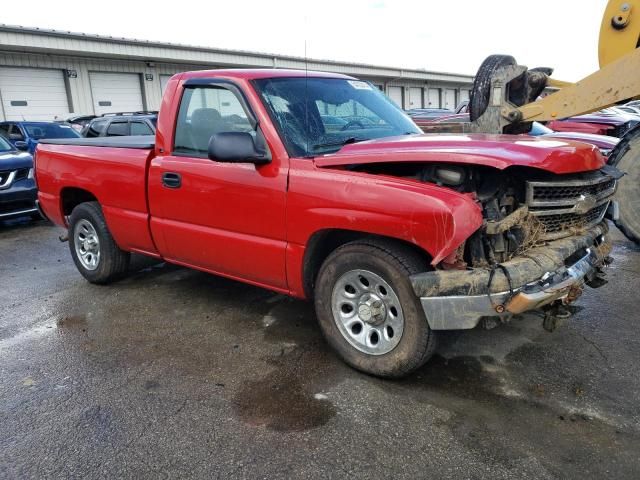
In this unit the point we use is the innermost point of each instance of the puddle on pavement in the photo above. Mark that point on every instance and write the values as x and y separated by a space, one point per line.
72 321
281 403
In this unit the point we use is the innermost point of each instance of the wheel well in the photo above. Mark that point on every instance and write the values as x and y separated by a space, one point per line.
322 243
71 197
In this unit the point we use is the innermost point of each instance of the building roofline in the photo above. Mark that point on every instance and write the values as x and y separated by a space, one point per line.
407 72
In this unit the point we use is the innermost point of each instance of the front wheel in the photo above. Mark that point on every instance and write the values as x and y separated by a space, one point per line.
93 249
368 311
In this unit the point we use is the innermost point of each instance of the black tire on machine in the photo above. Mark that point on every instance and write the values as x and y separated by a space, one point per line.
626 157
480 92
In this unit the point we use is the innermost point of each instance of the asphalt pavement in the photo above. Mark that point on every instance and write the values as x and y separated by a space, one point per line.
173 373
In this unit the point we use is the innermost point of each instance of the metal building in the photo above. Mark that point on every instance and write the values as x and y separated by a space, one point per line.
47 73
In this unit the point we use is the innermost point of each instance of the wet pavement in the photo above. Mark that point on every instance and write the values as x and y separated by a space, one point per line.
173 373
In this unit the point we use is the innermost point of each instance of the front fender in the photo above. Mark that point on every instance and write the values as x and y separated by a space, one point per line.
436 219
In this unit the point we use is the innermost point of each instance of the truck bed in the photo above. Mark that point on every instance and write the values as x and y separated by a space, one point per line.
143 142
113 170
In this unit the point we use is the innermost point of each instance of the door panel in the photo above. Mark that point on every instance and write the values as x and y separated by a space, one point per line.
434 98
395 94
450 99
227 218
415 97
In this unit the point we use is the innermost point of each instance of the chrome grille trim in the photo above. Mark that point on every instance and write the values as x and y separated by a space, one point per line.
585 186
7 179
561 205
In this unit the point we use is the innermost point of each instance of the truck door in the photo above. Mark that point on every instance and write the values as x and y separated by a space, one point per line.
226 218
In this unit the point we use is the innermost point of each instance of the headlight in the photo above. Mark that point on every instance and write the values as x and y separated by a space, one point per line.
30 175
452 176
605 152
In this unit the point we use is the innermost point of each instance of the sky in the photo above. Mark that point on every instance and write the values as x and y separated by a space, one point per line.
449 36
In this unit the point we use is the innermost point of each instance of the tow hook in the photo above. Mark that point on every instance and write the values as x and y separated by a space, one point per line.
598 279
64 237
553 316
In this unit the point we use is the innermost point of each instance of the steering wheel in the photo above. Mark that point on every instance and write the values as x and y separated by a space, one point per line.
352 123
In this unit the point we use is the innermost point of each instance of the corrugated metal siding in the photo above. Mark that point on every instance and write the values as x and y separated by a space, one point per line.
86 53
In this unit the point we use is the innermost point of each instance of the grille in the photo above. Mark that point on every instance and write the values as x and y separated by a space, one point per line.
21 174
571 192
554 224
5 178
570 203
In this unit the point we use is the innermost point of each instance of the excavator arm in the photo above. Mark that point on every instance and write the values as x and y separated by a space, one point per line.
503 99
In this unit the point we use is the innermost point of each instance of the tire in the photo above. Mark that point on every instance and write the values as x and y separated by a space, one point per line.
396 352
480 92
626 157
103 261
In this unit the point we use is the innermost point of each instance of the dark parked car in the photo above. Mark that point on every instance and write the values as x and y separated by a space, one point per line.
428 112
78 122
122 124
18 191
26 135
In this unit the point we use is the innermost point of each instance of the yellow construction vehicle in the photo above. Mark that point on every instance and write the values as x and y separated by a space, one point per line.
504 99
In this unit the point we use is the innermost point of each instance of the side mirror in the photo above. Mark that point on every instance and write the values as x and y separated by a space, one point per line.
21 145
237 147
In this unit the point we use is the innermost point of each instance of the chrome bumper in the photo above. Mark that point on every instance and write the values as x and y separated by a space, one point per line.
460 311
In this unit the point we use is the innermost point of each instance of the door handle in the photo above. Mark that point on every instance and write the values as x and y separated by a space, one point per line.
171 180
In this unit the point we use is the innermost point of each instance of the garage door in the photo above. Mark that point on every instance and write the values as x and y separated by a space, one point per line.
434 98
115 92
164 79
464 95
450 99
395 94
33 94
415 97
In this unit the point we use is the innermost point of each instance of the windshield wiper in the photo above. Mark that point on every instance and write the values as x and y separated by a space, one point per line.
341 143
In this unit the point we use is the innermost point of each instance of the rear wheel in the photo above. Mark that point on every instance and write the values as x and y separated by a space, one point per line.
93 249
368 311
626 157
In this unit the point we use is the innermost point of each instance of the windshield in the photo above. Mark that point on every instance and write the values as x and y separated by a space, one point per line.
320 115
39 131
5 146
539 129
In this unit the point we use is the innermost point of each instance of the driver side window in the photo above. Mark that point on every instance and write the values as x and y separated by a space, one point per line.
15 133
205 111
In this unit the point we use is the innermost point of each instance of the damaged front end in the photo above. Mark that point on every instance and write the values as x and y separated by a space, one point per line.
553 272
544 237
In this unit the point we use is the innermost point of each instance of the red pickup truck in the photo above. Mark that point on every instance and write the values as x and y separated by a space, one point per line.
394 234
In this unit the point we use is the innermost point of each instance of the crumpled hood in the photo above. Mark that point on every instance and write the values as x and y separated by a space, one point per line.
498 151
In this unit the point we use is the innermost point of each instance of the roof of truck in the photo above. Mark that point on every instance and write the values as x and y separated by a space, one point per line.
256 73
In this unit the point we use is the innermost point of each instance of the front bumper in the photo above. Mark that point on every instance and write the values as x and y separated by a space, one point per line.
459 299
19 200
